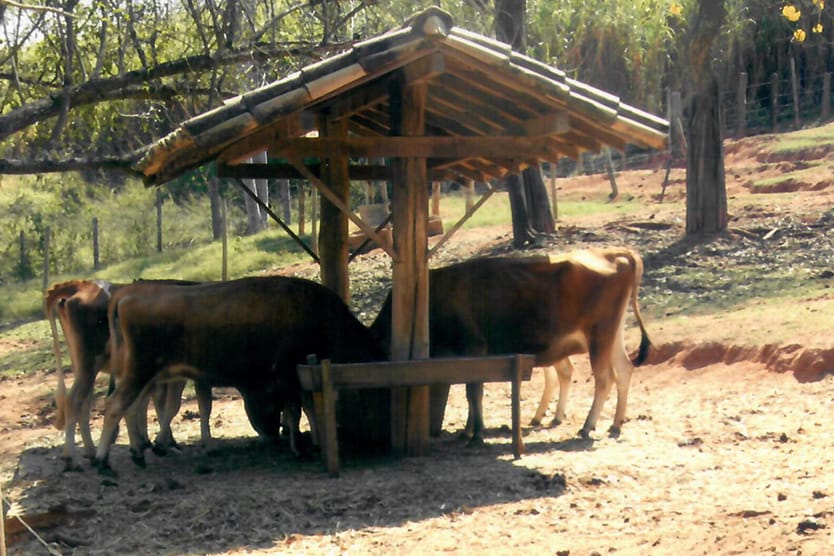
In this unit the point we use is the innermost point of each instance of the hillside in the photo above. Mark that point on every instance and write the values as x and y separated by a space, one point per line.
728 449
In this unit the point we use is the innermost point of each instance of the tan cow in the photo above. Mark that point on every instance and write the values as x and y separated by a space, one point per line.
551 307
81 308
249 334
563 369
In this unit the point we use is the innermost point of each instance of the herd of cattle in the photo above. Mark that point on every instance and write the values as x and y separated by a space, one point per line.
251 333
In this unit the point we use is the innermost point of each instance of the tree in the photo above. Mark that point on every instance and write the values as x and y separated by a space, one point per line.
706 192
528 197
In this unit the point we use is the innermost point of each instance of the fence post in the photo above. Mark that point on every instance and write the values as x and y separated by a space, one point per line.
741 105
795 93
314 219
826 95
774 101
46 236
96 261
224 274
21 267
302 209
158 220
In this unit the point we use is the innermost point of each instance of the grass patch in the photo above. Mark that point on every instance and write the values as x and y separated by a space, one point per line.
32 343
802 140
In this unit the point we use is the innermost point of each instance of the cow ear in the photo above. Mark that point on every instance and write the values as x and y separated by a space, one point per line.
62 302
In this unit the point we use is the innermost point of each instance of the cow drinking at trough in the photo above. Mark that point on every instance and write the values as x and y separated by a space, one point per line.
551 307
81 308
249 334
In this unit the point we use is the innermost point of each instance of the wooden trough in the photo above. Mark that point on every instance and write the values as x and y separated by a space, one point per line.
324 380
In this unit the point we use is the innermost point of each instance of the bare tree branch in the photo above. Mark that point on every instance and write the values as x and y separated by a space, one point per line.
35 8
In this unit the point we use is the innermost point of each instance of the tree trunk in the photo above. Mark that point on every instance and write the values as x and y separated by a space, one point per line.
706 192
529 205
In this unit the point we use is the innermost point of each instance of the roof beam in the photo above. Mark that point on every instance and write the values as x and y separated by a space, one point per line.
482 146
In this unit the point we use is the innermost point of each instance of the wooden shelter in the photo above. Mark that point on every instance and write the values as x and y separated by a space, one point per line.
434 100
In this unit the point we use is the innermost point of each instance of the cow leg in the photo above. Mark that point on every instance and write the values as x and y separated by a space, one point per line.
125 395
623 370
204 402
475 421
564 369
547 395
167 402
80 393
603 380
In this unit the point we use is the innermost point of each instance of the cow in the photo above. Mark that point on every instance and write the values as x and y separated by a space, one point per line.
563 369
81 308
249 334
551 307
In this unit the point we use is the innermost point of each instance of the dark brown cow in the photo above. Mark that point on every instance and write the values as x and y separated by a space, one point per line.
167 397
551 307
81 308
249 334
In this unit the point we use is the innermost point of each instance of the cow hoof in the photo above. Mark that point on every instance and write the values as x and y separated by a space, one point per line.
70 466
555 422
584 434
106 471
159 450
614 432
138 459
475 442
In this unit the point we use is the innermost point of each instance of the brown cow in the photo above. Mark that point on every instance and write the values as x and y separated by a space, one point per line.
81 308
249 334
563 369
551 307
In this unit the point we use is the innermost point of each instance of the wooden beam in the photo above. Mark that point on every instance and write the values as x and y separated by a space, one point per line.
424 69
287 171
331 196
481 146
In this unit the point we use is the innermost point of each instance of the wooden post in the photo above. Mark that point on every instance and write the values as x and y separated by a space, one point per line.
435 198
22 265
795 93
826 96
46 236
612 178
96 261
158 220
302 209
224 267
774 101
741 105
314 219
410 295
469 194
553 201
333 238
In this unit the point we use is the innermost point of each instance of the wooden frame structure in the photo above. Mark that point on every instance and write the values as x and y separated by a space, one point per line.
324 379
438 101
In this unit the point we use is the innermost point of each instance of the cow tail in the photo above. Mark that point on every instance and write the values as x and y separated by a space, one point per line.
645 343
61 390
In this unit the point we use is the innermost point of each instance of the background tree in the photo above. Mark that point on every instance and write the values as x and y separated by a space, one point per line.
528 197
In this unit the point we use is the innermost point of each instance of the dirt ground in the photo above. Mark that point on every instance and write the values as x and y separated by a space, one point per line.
728 449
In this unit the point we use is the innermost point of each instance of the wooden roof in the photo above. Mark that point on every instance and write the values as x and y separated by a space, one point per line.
490 111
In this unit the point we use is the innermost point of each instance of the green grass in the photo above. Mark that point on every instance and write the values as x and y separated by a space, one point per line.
802 140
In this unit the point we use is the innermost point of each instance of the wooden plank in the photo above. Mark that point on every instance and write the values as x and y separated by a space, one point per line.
287 171
331 443
419 372
518 372
481 146
379 239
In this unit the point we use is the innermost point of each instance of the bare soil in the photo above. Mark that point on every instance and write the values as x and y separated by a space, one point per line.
728 449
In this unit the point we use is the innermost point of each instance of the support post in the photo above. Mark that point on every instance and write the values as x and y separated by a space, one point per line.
774 101
825 112
410 295
333 232
96 261
795 94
